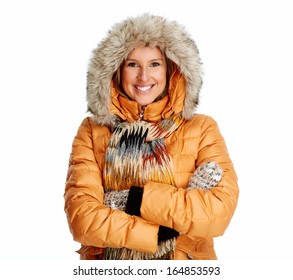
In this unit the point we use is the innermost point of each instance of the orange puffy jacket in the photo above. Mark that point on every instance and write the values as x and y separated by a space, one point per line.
197 214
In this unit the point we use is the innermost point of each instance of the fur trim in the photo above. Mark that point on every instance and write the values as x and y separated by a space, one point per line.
150 30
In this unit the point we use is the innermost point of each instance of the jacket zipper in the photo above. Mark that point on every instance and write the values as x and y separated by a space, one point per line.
141 114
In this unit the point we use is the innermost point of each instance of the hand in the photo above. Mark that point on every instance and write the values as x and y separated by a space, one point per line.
166 233
206 176
116 199
134 201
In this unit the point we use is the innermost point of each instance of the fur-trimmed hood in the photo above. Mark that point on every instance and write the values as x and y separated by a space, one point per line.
149 30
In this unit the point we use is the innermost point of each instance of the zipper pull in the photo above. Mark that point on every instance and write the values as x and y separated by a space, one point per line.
141 113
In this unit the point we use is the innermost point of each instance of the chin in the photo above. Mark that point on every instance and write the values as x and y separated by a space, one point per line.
145 103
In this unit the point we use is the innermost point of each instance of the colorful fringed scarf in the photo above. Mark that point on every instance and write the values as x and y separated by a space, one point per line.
136 154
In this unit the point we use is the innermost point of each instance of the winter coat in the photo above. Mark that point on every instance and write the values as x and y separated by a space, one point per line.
198 215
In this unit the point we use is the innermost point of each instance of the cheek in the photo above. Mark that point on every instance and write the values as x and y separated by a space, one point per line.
162 79
124 81
126 77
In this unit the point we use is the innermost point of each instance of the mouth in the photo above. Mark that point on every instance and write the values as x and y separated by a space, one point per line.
143 88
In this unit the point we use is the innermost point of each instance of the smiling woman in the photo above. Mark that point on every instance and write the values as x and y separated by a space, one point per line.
148 178
144 75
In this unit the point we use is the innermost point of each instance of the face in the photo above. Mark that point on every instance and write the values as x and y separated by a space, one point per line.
144 74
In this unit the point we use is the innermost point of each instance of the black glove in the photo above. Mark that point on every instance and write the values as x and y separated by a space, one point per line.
133 208
166 233
134 201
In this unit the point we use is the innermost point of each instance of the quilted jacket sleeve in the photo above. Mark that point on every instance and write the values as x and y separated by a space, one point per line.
91 222
196 212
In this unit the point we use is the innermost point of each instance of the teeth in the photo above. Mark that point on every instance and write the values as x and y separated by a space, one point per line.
144 88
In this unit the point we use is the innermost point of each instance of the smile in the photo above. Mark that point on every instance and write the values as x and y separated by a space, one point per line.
144 88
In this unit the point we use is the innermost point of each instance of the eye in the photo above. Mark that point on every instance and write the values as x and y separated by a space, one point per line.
132 64
155 64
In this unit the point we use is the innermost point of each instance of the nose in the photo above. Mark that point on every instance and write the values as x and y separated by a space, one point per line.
143 74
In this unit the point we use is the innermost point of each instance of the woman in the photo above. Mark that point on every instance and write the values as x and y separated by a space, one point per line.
148 178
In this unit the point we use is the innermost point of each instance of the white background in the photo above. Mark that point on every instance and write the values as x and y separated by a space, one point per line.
246 49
